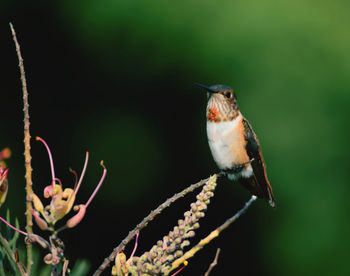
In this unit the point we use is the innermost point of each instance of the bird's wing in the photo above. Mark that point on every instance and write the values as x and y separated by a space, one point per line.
254 152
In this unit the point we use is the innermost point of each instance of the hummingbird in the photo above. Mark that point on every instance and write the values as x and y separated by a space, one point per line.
234 144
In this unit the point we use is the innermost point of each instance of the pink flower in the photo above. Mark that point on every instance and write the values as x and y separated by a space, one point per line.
62 200
3 184
4 154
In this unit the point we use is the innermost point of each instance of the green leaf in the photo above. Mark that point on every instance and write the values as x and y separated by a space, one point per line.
8 229
80 268
13 240
45 271
9 254
2 271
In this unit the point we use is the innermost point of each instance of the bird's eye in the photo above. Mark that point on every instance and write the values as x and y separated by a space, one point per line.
228 94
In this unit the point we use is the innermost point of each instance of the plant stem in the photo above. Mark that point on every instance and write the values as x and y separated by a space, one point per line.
27 156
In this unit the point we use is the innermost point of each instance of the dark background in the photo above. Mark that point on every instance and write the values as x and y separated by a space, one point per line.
116 78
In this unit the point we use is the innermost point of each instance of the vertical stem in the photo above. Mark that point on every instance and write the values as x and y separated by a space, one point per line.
27 156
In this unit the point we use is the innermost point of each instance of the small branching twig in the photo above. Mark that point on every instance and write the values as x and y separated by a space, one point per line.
27 155
214 263
144 223
210 237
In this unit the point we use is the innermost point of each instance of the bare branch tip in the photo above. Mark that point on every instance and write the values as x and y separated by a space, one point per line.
12 28
214 262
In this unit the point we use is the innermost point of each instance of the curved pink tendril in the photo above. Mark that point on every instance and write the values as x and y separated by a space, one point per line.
136 241
50 157
98 186
48 191
58 180
76 189
14 228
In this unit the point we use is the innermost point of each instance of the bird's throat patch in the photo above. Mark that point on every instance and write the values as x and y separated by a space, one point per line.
213 114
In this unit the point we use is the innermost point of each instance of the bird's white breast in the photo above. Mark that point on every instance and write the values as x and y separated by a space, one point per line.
227 145
221 138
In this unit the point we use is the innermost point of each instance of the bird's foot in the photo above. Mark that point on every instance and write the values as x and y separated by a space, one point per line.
222 173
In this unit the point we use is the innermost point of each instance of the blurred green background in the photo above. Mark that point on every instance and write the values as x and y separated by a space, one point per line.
116 78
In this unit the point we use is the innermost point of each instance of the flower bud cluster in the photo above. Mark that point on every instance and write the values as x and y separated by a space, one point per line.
171 247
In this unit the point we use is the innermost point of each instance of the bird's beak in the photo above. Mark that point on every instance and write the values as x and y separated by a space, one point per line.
205 87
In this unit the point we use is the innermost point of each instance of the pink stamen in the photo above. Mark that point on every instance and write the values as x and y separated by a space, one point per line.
136 241
50 157
14 228
98 186
4 173
75 177
82 174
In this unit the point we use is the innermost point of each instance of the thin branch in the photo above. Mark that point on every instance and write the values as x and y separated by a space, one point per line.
27 156
237 215
210 237
214 263
144 223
